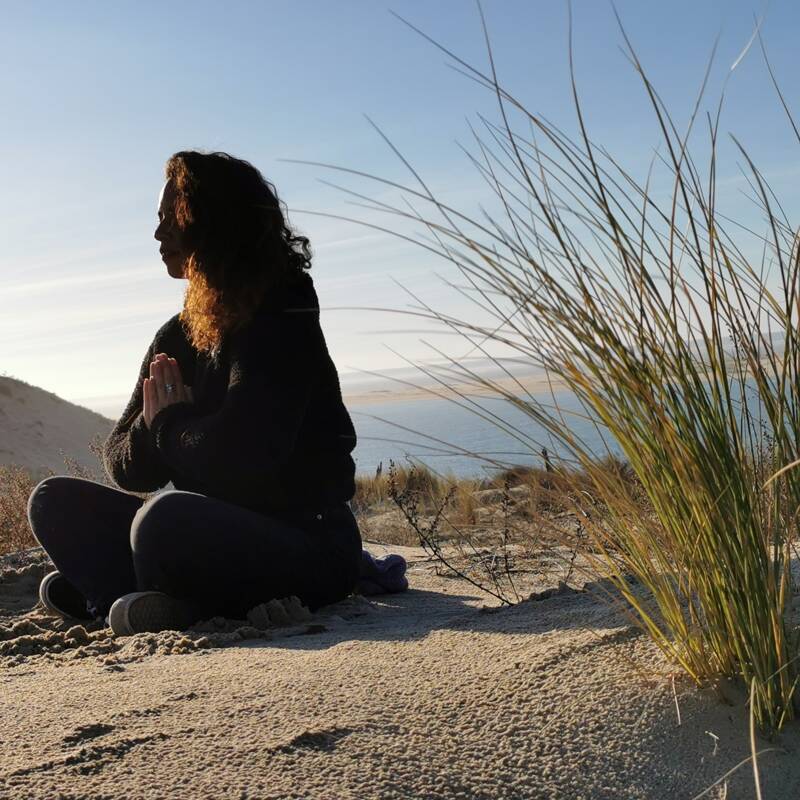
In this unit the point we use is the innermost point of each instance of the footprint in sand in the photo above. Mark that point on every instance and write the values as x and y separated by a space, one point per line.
84 733
324 740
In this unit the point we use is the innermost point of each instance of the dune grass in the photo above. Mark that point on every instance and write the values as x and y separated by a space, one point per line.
677 331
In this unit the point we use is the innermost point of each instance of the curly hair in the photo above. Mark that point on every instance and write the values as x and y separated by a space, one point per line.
240 245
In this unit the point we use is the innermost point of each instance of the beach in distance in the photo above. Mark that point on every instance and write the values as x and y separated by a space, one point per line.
394 384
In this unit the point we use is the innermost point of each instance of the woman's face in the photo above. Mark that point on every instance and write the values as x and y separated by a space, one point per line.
173 250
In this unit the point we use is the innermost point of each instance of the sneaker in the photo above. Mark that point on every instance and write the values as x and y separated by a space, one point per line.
139 612
60 597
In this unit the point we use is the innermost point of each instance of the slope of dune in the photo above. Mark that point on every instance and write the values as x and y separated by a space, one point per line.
38 428
433 693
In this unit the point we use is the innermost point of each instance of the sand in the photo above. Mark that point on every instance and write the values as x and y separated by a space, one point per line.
37 428
524 385
433 693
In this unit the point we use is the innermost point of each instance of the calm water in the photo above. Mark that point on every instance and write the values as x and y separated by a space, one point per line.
379 439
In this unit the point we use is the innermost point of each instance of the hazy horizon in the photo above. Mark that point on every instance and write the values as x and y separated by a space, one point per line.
352 383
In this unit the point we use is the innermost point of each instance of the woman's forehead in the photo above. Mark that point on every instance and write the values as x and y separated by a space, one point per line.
165 195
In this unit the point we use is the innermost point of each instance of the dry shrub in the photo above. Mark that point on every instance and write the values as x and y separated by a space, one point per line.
372 493
16 485
464 505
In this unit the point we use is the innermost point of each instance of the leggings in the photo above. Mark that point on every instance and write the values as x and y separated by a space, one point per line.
220 558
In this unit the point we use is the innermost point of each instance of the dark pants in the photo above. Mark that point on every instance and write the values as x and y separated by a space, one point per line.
221 558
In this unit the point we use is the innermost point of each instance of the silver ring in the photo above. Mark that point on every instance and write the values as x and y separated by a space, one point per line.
169 387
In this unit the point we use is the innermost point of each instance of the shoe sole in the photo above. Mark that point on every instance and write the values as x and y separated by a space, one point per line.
51 605
147 612
44 597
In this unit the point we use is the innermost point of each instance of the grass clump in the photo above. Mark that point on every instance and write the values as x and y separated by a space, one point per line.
682 350
373 491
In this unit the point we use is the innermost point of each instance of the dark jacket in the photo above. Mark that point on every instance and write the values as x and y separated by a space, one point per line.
267 429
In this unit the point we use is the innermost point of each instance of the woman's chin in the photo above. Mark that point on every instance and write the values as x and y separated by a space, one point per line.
175 270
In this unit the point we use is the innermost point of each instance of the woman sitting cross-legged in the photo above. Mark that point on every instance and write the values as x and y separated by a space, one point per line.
238 404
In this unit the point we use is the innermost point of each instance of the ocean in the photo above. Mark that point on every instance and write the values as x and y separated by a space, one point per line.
385 431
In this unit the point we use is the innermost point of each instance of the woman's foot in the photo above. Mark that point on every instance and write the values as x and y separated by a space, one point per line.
59 596
138 612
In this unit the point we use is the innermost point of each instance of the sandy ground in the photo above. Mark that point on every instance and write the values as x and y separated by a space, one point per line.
531 384
433 693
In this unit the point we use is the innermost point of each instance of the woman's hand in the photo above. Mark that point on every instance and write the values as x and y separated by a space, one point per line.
163 371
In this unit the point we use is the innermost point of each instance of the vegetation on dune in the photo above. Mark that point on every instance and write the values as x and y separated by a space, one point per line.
16 485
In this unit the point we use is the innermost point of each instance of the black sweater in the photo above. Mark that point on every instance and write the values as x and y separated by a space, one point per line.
267 429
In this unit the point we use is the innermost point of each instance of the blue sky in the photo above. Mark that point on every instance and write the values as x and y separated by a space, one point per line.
95 96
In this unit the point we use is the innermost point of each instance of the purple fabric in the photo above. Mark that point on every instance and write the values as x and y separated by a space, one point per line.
382 575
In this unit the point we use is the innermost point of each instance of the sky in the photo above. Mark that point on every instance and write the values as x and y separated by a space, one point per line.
95 96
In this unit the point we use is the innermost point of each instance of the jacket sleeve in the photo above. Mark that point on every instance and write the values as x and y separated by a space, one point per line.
129 457
274 372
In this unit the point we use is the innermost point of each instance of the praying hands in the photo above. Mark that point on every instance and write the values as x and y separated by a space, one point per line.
164 387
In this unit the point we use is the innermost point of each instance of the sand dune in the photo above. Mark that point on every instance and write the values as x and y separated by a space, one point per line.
37 428
433 693
522 386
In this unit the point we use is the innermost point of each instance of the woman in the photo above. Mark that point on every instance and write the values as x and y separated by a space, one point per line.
238 404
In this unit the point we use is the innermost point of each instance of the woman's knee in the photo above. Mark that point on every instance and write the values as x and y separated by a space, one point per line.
61 491
47 502
158 541
157 522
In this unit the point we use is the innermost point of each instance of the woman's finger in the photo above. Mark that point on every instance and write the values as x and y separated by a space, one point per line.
148 409
157 378
173 377
179 393
165 370
171 374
